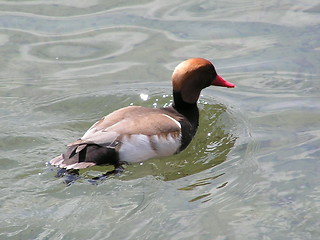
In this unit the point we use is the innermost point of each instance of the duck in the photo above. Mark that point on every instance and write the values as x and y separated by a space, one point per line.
135 134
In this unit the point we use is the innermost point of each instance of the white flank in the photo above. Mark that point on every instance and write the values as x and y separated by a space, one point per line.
138 148
166 146
135 148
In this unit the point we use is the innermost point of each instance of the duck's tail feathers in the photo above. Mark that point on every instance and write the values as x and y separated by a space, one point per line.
85 155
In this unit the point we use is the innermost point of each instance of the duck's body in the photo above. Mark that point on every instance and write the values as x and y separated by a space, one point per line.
135 134
130 134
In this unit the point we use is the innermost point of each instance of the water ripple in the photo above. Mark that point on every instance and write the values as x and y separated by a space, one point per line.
83 49
253 166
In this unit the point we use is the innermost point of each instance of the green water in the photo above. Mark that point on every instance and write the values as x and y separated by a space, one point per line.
252 170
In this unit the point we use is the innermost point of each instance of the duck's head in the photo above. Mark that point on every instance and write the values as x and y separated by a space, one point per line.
193 75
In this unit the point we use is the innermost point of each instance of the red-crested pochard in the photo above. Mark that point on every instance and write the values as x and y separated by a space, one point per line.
135 134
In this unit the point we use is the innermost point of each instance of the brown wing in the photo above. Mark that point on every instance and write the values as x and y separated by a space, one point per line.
128 121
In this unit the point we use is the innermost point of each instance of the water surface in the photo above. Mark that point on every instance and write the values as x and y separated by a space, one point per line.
252 171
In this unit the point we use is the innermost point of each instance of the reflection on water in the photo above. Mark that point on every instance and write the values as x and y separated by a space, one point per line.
252 171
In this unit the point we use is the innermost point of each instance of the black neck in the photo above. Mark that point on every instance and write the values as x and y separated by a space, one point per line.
189 110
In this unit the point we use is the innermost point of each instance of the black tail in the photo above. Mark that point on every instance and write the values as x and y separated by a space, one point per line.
86 155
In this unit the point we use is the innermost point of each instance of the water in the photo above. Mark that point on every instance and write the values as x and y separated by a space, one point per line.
252 171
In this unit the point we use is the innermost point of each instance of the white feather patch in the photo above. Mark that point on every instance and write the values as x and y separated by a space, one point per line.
138 148
175 121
